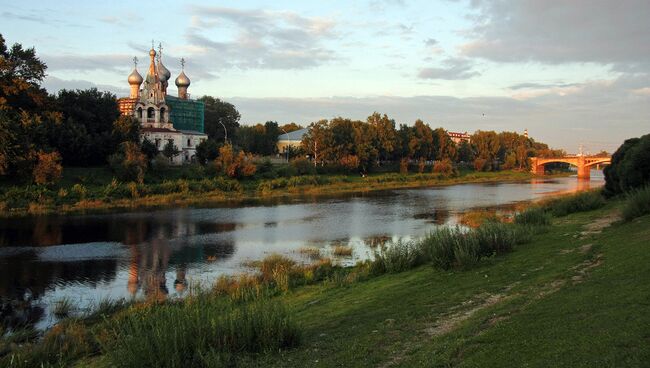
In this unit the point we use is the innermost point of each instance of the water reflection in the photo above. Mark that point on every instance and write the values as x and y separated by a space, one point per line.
157 254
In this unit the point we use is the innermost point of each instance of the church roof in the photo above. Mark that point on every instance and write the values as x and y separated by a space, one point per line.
296 135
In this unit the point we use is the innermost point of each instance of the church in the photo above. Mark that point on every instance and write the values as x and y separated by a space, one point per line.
165 118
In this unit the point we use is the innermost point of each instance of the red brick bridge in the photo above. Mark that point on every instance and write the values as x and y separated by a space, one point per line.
583 163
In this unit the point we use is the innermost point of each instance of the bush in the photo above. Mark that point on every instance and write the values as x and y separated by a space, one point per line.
533 216
234 165
445 167
129 163
637 203
48 168
303 166
585 201
397 257
350 162
630 167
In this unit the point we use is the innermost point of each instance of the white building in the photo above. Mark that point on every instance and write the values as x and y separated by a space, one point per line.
165 118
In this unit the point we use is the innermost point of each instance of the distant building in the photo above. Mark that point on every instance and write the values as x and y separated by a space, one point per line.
165 118
459 137
291 140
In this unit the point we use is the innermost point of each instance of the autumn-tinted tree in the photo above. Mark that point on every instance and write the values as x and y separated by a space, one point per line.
290 127
48 168
129 163
386 135
234 164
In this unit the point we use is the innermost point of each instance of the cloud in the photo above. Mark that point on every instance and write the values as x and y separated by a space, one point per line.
593 111
259 39
108 62
453 69
430 42
532 85
53 85
553 32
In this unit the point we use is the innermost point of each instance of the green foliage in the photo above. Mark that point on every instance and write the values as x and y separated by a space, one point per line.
630 167
207 151
219 112
149 149
170 150
303 166
584 201
203 327
129 163
397 257
637 203
535 216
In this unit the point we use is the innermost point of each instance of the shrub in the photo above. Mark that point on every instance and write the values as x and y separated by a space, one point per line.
421 164
585 201
303 166
444 166
397 257
630 167
533 216
48 168
129 163
350 162
234 165
637 203
342 251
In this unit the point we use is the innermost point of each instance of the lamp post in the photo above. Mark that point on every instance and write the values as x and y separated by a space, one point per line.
286 148
225 139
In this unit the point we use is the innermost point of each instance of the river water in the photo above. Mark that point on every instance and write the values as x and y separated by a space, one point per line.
89 258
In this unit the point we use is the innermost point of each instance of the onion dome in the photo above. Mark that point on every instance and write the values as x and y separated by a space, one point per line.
152 52
182 80
163 73
135 78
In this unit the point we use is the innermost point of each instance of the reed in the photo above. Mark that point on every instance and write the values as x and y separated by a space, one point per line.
637 203
585 201
342 251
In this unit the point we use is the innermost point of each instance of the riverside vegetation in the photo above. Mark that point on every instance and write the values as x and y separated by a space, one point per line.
457 297
97 189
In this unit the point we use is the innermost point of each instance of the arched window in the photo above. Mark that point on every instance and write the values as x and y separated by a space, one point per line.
162 114
151 113
139 112
189 143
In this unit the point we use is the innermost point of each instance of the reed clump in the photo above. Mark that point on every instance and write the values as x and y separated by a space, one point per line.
584 201
535 216
342 251
637 203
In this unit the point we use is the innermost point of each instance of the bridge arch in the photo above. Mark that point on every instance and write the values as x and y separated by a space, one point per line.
583 163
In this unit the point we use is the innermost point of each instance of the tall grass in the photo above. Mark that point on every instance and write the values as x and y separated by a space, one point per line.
440 244
535 216
584 201
397 257
637 203
63 307
205 327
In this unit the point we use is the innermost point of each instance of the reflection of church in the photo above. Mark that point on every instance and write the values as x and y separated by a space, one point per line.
165 118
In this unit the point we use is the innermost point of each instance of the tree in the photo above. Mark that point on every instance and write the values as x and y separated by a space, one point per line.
170 150
126 129
291 127
21 73
630 167
48 169
386 135
421 143
315 142
486 144
234 164
207 151
129 163
149 149
219 112
465 152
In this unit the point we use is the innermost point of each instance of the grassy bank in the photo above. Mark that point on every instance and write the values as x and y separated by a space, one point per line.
96 189
569 292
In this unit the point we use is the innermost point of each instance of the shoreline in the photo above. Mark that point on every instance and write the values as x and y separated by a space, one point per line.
338 186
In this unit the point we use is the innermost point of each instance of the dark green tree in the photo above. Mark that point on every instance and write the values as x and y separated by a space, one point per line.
630 167
219 112
149 149
207 151
170 150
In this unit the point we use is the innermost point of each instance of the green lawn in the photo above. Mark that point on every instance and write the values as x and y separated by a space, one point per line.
550 303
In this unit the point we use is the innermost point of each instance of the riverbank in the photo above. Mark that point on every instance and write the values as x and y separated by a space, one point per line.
99 192
568 296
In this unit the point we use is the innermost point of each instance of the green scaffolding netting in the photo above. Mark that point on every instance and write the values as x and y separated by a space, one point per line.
186 114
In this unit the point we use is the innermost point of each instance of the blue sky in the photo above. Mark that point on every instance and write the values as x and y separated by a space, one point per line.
571 72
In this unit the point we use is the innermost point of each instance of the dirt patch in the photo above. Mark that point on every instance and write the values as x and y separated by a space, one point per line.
450 322
597 225
582 270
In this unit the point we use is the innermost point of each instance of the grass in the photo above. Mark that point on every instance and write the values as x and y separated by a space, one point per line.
310 252
535 216
637 203
63 307
583 201
95 189
564 299
342 251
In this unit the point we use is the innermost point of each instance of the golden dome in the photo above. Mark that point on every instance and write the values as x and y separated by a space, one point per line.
182 80
135 77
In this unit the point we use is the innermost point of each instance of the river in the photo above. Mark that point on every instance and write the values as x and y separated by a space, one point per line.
89 258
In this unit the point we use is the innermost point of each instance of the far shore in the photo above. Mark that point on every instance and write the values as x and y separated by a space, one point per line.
262 190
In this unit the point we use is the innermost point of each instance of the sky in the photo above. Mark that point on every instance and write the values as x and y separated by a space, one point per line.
571 72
